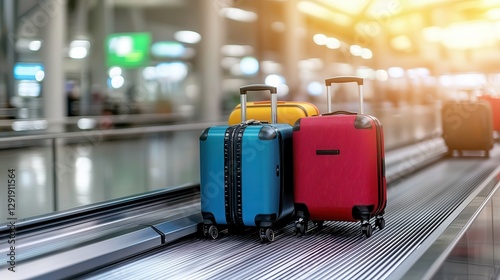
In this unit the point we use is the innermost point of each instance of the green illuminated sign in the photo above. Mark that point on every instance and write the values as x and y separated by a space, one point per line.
128 50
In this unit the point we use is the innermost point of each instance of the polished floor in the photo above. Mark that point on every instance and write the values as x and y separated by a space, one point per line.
96 169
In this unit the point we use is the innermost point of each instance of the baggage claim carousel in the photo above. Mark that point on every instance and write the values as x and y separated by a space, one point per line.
432 202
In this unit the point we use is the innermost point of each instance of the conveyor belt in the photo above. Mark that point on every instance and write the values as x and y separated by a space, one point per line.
417 206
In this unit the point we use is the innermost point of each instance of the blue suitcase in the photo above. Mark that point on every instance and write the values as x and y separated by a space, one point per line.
246 173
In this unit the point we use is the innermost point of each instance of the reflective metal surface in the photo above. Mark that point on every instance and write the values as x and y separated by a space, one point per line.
65 244
476 254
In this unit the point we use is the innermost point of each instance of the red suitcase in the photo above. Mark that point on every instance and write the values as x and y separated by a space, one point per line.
339 168
495 107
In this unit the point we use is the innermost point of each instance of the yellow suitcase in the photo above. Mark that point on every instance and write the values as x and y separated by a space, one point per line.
288 112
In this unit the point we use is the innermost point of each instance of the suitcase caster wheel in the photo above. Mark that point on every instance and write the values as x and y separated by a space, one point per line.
366 229
213 232
380 223
266 235
319 225
300 227
270 235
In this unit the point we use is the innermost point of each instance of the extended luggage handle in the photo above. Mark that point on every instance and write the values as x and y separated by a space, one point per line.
259 87
343 79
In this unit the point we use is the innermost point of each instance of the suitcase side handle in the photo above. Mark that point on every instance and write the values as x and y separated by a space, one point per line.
259 87
343 79
340 113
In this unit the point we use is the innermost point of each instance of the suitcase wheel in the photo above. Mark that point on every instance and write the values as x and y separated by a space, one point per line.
366 229
380 222
266 234
300 226
213 232
487 153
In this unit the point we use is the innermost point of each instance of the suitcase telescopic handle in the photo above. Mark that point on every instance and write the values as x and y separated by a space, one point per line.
259 87
343 79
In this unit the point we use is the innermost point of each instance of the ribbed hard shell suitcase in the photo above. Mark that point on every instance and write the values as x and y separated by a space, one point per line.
495 108
339 168
246 174
468 125
288 111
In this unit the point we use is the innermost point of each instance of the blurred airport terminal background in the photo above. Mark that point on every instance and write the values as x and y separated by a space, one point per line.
104 99
102 103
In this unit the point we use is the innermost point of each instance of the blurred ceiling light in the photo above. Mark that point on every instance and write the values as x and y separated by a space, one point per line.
401 43
356 50
283 90
465 80
274 80
28 89
396 72
236 50
366 53
35 45
321 12
172 71
315 88
39 75
352 7
446 80
490 3
422 3
418 72
493 14
469 35
168 49
278 81
381 75
432 34
238 14
365 73
385 9
249 66
333 43
114 71
86 123
186 36
29 125
117 82
78 49
29 71
320 39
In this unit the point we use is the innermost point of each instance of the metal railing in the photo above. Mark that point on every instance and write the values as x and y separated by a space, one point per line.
93 137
